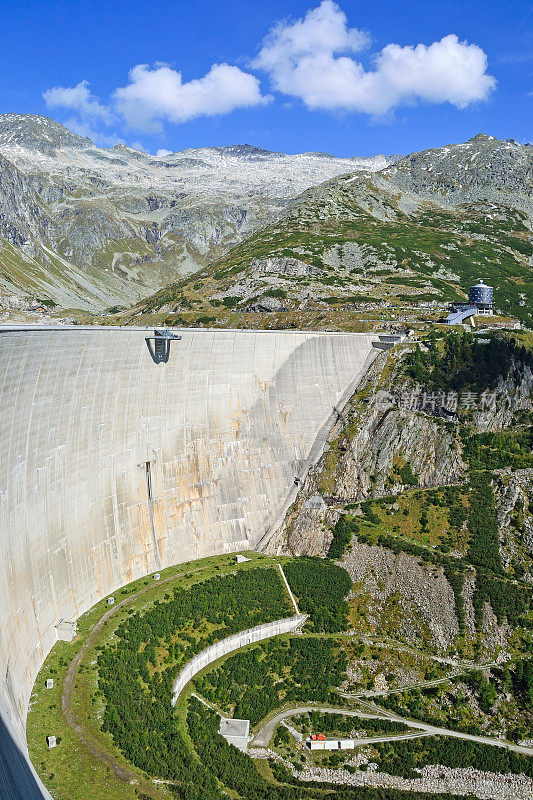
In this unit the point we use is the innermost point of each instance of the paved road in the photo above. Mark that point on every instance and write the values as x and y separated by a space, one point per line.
379 739
265 733
263 736
436 731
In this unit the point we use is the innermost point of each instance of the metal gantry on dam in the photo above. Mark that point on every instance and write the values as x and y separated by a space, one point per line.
124 451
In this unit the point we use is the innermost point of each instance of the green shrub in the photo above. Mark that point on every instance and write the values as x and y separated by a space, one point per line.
407 476
321 588
231 302
499 449
484 545
342 536
253 682
464 363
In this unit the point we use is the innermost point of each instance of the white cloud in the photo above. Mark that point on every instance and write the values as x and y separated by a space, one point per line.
314 59
163 152
323 31
89 111
309 59
157 94
77 98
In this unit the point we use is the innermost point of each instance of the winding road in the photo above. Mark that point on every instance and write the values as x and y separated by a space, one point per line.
409 687
265 733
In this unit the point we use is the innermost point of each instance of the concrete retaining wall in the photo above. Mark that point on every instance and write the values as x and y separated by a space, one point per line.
113 467
229 644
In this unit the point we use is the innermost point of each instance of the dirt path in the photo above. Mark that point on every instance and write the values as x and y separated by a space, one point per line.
262 738
91 743
407 688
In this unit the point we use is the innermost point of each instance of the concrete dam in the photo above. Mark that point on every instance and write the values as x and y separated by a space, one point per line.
113 466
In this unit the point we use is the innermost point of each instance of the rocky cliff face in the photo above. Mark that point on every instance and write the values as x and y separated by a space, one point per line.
386 433
377 430
398 594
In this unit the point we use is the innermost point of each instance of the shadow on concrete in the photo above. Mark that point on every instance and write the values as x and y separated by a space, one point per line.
17 779
159 349
159 344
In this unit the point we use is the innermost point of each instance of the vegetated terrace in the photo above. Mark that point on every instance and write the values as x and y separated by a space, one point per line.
133 744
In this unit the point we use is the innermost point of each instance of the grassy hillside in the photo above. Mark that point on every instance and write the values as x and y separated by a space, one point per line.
355 245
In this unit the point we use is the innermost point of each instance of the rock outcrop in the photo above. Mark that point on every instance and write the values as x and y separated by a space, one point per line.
399 594
405 598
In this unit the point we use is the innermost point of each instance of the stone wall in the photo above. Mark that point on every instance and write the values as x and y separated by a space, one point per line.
229 644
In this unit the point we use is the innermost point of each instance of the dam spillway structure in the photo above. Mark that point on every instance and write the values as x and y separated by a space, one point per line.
114 465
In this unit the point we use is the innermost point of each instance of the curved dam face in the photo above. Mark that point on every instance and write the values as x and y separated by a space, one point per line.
113 466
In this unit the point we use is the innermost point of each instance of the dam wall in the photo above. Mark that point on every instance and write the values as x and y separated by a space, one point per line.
113 466
228 645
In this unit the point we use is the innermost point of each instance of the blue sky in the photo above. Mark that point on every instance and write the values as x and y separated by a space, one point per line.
352 78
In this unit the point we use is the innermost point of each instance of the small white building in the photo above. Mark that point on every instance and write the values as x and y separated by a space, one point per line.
157 576
331 744
110 601
49 683
347 744
65 630
240 559
235 731
51 742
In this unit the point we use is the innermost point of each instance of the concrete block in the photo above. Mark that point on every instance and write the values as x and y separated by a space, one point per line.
66 630
235 731
316 502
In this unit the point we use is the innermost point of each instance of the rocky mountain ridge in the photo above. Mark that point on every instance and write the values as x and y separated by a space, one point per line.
90 228
483 168
420 231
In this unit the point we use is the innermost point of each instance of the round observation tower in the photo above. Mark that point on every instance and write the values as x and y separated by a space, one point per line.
482 296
